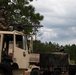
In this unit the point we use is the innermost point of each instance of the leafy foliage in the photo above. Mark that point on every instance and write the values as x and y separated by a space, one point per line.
21 12
40 47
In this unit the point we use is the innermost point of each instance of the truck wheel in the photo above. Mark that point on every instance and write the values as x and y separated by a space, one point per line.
35 72
57 72
5 69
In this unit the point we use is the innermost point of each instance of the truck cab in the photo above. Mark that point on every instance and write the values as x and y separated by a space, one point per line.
13 49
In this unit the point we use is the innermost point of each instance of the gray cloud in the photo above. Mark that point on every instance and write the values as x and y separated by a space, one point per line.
59 20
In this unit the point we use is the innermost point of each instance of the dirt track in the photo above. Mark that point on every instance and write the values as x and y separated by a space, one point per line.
65 74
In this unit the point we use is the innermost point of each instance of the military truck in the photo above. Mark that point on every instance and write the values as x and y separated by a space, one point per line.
55 63
15 58
14 53
51 63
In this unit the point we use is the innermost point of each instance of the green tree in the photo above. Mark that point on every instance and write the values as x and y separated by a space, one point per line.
46 47
71 50
20 12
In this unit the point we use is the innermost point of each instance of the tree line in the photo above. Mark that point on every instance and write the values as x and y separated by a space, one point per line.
48 47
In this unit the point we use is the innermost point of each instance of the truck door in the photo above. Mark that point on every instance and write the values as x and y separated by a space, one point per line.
20 52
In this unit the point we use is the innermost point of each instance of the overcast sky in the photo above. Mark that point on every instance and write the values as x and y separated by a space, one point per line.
59 24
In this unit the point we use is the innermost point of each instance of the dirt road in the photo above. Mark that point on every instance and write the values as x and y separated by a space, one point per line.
65 74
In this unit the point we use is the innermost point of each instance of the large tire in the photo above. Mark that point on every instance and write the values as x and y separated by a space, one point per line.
5 69
35 72
57 72
15 66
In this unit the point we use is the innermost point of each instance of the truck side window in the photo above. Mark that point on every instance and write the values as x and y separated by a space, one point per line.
19 41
